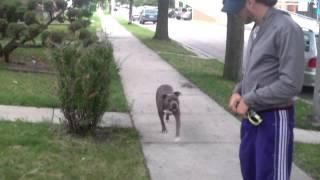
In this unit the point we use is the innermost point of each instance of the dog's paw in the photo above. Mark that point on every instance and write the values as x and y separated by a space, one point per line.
177 139
164 131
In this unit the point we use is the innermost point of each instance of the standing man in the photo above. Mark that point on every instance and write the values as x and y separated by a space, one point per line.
272 75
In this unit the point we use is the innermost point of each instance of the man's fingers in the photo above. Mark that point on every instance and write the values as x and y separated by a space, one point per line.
234 102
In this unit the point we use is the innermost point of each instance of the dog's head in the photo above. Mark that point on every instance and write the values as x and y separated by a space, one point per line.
171 101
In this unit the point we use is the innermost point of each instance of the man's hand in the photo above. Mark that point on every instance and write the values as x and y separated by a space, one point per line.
234 101
242 108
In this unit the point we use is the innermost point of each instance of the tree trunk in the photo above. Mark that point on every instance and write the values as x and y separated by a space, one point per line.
110 6
162 24
6 57
9 48
316 93
234 49
130 12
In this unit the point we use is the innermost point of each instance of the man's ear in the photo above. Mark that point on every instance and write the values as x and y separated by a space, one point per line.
177 93
164 96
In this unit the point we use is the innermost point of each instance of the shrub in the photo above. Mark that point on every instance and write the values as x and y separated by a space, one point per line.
15 30
34 30
84 80
75 26
84 34
11 13
30 17
85 22
44 37
60 19
49 6
21 10
61 4
92 7
86 13
57 36
73 14
8 9
32 4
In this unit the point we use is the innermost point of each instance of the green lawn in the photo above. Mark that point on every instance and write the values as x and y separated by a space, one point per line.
28 89
40 90
307 156
40 54
95 23
43 151
207 75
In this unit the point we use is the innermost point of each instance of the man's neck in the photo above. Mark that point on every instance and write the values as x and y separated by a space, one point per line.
260 13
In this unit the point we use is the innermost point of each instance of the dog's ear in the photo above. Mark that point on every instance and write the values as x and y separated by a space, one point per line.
164 96
177 93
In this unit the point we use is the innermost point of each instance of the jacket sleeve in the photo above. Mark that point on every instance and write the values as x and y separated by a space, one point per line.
291 68
237 88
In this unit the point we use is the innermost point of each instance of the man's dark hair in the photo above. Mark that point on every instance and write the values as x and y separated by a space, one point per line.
269 3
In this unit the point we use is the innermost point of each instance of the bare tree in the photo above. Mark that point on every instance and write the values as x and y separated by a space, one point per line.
234 48
162 24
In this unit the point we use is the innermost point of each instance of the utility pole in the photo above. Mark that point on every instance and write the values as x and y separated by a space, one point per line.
316 93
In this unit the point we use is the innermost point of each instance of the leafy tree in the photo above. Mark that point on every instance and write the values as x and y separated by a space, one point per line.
13 12
146 2
162 24
20 33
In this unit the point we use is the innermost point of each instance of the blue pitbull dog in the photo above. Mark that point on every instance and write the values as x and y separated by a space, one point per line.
168 104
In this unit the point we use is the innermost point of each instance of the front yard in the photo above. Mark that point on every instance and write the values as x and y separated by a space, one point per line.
45 151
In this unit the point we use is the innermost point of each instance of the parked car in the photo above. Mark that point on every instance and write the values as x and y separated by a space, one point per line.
148 15
171 13
187 15
310 57
179 12
136 13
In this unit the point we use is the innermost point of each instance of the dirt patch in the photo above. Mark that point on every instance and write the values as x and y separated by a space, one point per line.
102 135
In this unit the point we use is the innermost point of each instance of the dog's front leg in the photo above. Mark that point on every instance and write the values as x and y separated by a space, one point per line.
178 125
163 126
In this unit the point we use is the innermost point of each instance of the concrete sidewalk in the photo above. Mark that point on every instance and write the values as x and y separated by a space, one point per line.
210 136
54 115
